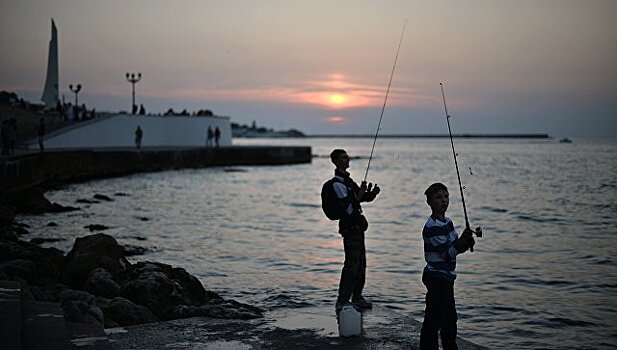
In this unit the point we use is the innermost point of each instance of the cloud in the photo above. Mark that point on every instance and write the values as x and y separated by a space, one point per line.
334 92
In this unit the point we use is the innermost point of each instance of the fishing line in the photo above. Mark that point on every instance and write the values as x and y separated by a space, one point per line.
385 100
458 175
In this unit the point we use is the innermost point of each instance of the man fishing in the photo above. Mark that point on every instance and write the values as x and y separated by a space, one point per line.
352 226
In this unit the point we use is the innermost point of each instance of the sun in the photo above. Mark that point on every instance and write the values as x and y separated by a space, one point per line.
337 99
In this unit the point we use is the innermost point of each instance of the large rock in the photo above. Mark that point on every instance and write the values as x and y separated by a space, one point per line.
154 290
18 269
79 311
89 253
7 215
79 306
123 312
100 282
172 293
161 288
48 292
28 261
30 201
219 309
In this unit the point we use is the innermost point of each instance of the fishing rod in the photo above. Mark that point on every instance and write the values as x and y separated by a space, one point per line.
478 231
385 100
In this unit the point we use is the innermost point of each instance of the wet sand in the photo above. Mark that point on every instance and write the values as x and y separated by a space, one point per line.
305 328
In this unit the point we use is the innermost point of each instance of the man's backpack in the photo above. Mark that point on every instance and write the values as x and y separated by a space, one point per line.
330 202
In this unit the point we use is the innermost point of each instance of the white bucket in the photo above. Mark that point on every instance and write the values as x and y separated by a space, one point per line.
349 321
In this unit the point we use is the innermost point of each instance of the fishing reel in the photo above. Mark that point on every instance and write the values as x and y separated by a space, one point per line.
478 231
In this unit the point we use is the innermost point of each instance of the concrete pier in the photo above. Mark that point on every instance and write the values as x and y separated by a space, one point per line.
41 169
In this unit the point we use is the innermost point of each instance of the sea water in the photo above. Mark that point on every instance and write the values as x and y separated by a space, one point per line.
543 276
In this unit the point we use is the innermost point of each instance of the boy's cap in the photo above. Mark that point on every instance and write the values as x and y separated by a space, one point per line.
434 188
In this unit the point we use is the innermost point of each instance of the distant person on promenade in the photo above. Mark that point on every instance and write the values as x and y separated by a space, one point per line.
60 110
142 110
139 134
41 133
70 112
352 225
441 246
217 136
134 111
84 112
209 136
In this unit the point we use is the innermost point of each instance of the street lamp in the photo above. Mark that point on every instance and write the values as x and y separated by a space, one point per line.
132 78
76 90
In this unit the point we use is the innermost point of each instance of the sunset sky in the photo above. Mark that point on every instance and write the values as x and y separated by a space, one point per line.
323 66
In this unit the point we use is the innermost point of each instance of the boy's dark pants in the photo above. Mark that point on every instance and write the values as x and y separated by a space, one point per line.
440 313
354 269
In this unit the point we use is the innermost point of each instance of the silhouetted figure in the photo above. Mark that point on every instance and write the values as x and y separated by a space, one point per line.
209 137
142 110
134 109
441 246
41 134
352 226
65 112
138 136
84 112
217 135
70 112
60 110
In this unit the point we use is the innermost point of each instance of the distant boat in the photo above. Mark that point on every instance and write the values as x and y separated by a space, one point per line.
565 140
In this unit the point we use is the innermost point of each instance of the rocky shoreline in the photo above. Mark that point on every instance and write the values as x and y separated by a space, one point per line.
108 302
94 282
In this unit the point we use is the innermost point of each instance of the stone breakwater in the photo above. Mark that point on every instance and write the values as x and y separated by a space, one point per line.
95 283
48 168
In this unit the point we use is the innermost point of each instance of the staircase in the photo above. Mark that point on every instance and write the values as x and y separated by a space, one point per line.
31 325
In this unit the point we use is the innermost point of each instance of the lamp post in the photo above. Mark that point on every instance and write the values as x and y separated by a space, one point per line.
133 79
76 90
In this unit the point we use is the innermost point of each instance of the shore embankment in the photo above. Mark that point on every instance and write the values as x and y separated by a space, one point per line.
65 166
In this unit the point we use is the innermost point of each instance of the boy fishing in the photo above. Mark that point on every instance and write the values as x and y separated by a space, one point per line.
441 246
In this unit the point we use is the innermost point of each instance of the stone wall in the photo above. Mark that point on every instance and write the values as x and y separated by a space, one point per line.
46 168
119 131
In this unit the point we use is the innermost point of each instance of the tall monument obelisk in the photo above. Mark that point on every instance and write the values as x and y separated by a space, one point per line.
51 91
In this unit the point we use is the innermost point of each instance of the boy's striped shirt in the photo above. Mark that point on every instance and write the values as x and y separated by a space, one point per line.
441 247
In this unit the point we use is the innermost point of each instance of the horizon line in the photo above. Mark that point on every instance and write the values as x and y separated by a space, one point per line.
463 135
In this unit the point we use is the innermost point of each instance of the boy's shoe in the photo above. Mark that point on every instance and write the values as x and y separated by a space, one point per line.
362 304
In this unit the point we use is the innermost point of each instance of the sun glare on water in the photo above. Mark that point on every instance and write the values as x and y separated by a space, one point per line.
336 119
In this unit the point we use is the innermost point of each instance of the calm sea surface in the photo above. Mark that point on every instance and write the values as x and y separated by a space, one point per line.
543 276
